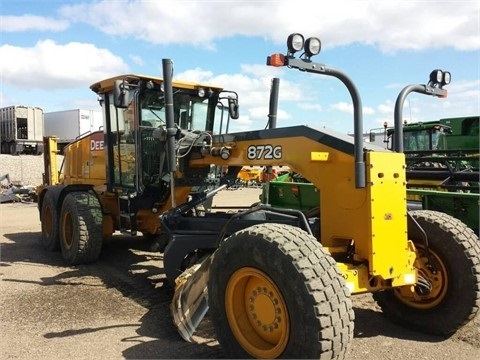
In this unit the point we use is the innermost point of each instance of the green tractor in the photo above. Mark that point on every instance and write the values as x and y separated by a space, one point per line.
463 134
451 141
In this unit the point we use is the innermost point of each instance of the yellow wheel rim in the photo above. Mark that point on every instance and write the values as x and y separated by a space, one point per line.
436 276
67 229
257 313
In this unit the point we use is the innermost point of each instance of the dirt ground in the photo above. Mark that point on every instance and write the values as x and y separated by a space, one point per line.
119 306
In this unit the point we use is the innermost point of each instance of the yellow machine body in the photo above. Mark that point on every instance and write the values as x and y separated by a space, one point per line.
372 219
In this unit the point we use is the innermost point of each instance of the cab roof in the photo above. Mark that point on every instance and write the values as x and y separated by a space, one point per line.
105 86
422 126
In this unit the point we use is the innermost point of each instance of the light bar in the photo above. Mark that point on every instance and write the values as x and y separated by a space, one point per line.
440 77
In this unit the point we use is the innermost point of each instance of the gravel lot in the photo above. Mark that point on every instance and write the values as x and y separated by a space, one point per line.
23 169
119 307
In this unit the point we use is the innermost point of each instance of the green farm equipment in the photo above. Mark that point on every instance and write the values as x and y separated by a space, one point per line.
442 160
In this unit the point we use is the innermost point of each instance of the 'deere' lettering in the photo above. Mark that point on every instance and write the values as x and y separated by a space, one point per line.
96 145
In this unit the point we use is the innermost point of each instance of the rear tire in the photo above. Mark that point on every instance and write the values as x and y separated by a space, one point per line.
454 297
81 228
49 219
12 148
274 292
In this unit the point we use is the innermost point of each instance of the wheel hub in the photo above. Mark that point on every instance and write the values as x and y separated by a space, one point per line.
423 287
263 309
432 282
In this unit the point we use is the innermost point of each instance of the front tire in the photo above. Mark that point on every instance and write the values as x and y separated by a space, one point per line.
275 293
81 228
450 296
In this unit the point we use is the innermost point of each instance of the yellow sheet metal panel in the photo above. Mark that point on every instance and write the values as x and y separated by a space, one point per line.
51 175
391 255
96 163
85 160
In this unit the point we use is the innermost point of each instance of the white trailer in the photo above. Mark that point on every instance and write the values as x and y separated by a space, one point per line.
21 130
68 125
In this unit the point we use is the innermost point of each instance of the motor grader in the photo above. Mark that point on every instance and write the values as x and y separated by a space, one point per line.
277 283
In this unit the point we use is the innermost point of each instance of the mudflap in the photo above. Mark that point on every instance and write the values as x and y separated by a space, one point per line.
190 299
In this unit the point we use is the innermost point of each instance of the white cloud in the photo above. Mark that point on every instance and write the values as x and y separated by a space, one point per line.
386 108
388 25
309 106
464 96
243 123
31 23
49 65
196 75
342 107
137 60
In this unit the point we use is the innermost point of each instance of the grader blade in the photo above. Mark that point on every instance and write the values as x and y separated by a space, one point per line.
190 300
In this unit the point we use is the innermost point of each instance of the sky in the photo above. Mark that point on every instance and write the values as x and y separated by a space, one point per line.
51 51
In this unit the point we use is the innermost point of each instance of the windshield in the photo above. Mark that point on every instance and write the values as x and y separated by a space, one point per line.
416 140
429 139
190 110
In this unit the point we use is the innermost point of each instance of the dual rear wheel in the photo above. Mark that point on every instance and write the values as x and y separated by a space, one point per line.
76 229
9 148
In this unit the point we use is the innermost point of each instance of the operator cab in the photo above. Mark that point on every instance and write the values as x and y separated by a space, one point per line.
136 130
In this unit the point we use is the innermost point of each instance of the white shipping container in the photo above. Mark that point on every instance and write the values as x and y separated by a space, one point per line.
68 125
21 129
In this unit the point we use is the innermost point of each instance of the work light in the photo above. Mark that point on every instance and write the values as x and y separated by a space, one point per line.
295 42
440 77
313 46
446 78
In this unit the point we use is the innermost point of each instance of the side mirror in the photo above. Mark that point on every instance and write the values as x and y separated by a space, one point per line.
120 94
233 108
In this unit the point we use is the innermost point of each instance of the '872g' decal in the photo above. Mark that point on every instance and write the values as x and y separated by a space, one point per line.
267 152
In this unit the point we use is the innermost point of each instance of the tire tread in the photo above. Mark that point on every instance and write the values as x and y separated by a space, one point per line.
86 207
